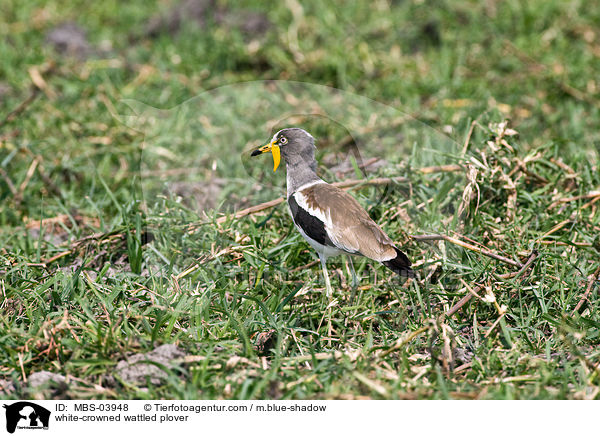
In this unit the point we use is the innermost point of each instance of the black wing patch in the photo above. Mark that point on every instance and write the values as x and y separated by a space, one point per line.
311 225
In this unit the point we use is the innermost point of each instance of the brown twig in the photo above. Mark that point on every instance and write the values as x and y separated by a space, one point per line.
534 254
9 183
463 367
49 184
308 265
464 300
559 162
591 281
405 339
468 246
377 181
58 256
320 356
592 194
37 78
35 91
589 203
36 264
556 228
38 85
250 210
101 238
478 288
204 259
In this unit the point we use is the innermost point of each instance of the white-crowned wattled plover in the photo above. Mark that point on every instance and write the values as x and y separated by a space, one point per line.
330 219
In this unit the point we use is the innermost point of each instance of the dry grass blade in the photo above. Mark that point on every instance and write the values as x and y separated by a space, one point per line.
352 355
370 383
250 210
405 339
26 181
556 228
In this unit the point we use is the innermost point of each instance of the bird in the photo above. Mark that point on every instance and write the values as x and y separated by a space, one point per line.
332 221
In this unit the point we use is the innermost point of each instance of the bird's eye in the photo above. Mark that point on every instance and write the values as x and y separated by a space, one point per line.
283 140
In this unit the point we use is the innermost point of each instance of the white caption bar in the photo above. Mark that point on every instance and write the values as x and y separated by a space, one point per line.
295 417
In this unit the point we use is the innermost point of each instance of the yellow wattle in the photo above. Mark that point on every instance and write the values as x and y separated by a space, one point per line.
276 156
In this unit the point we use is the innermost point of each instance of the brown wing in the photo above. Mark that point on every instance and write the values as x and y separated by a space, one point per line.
349 225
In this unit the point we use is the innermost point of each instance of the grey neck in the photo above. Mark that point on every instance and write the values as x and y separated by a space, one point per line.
300 173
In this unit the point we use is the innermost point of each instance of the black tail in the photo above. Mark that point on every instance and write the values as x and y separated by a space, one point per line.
400 264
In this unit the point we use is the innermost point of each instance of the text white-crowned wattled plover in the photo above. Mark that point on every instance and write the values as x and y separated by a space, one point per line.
330 219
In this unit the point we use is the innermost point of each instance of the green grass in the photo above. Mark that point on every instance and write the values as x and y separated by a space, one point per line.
96 256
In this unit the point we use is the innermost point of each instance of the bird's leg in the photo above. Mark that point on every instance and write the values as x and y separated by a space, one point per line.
329 295
354 278
326 277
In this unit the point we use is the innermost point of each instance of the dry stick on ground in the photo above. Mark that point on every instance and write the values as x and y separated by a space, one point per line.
9 183
590 203
58 256
559 162
478 288
35 91
308 265
38 85
468 247
556 228
592 194
205 259
100 238
591 282
405 339
50 185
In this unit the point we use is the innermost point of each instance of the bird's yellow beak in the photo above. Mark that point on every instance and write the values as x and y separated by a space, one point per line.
274 149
